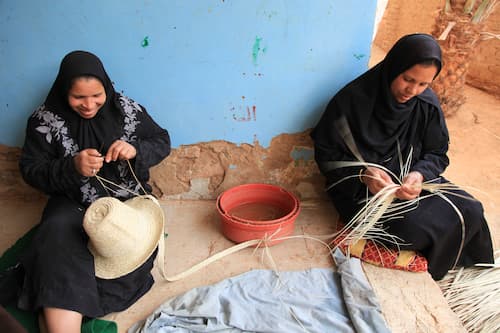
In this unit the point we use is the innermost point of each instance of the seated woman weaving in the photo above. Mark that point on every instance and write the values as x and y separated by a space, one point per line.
390 120
83 129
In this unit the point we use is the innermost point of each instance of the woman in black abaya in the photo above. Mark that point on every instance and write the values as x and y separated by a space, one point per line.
391 109
83 128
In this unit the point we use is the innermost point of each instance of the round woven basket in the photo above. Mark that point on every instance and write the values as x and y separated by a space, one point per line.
257 211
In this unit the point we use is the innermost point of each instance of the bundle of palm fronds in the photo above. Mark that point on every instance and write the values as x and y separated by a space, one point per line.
381 207
474 295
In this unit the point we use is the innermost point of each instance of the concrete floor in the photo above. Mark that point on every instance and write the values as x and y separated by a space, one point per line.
411 302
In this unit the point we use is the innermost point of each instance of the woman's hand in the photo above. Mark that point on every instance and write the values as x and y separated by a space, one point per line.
412 186
88 162
120 150
375 179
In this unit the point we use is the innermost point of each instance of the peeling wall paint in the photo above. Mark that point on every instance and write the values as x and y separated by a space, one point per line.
205 170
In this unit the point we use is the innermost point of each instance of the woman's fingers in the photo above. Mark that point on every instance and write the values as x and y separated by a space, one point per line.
120 150
88 162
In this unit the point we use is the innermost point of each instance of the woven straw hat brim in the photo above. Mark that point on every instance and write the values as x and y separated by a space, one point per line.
117 266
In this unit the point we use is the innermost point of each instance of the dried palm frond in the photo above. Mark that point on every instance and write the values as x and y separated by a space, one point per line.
484 10
345 164
474 295
368 222
258 243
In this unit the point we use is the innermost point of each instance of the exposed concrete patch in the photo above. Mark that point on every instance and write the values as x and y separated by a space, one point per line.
412 302
204 170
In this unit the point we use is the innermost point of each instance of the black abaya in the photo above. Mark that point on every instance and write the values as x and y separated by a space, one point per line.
382 128
59 268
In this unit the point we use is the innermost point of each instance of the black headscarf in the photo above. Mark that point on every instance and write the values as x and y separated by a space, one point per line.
101 130
377 121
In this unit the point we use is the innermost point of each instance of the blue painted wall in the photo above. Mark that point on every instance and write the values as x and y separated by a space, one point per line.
235 70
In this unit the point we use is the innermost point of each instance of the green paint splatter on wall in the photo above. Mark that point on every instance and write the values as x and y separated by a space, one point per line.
255 49
145 42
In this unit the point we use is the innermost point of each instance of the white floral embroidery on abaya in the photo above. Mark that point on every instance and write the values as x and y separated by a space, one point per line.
54 129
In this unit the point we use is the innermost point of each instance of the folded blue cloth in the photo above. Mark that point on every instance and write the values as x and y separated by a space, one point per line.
314 300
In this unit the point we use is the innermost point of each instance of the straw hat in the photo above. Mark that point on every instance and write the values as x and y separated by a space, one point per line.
122 235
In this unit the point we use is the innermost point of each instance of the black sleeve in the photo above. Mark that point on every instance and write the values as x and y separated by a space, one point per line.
433 157
42 165
329 147
152 144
